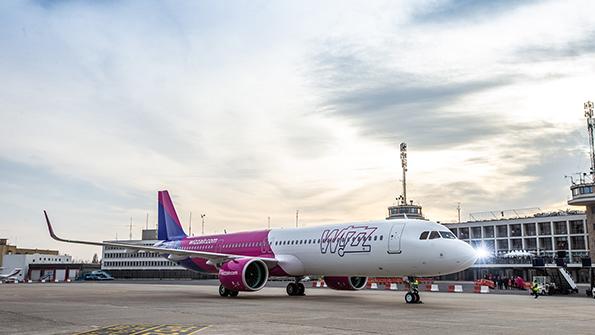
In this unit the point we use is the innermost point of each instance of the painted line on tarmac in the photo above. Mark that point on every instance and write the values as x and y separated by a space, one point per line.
146 330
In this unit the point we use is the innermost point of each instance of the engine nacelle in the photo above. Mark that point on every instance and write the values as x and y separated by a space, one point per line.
244 274
346 283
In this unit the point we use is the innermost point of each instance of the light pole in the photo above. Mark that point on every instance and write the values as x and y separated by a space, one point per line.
202 217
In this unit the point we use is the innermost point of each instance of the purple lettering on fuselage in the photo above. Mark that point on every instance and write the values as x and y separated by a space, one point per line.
353 239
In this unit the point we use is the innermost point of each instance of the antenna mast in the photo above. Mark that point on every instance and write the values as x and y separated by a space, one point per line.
404 166
590 124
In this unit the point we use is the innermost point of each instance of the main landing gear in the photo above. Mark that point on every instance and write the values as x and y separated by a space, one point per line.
224 292
295 289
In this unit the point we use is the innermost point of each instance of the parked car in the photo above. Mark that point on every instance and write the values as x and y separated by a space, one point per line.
97 275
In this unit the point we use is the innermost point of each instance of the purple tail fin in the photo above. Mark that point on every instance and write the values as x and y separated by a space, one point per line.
168 224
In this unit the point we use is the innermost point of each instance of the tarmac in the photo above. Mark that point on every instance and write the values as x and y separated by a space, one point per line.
154 308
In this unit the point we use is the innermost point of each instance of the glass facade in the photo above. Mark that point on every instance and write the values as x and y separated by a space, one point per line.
515 230
502 231
543 236
545 228
560 228
577 243
561 243
488 232
464 233
577 227
530 244
475 232
545 243
530 229
502 245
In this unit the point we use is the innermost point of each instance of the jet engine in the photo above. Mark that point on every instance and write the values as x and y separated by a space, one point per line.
346 283
245 274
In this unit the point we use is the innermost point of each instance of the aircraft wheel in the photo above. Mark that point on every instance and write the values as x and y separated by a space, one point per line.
409 298
292 289
223 291
301 289
416 297
233 293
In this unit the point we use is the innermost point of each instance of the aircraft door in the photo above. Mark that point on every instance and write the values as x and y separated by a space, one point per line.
394 238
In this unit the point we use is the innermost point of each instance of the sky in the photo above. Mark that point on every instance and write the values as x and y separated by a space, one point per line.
246 110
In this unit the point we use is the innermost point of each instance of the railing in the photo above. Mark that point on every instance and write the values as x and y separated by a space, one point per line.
525 260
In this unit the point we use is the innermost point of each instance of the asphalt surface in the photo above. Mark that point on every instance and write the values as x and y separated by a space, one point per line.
73 308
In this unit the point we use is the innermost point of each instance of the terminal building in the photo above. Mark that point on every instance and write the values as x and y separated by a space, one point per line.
510 245
128 264
7 249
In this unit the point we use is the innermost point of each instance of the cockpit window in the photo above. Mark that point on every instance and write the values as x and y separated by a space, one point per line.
424 235
447 234
434 234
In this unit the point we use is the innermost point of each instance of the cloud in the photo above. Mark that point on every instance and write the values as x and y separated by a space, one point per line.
252 110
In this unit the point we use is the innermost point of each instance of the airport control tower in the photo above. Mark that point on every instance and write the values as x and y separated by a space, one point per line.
404 209
583 190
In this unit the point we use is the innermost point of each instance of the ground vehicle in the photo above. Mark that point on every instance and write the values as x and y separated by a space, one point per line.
97 275
545 284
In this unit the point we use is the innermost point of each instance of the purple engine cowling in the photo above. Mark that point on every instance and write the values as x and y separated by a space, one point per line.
346 283
245 274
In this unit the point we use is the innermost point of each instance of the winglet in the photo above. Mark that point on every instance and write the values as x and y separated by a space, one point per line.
47 220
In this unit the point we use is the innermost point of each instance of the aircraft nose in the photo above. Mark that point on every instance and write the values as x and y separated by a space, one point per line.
467 254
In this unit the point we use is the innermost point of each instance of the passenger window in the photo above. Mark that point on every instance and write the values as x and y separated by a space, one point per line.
375 237
434 234
380 237
424 235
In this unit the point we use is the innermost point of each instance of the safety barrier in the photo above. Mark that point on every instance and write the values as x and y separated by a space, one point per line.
391 286
481 289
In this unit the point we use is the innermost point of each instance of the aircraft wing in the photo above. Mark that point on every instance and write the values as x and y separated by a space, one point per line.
213 257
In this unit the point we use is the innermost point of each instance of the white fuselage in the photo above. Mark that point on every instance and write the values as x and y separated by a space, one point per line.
373 248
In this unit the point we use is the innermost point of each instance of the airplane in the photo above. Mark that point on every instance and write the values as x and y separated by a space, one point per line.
345 255
11 276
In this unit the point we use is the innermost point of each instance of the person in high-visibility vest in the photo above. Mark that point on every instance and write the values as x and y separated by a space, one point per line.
415 284
535 290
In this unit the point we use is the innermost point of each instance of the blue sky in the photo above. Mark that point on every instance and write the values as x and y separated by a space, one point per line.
250 109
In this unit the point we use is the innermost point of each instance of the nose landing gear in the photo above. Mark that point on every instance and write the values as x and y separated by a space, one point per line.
412 297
